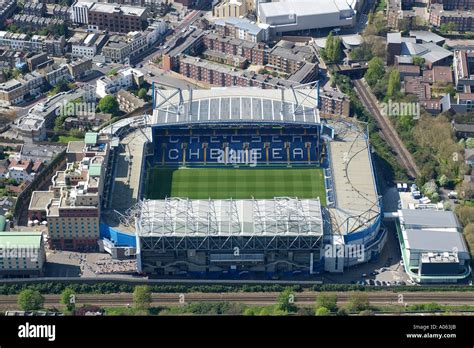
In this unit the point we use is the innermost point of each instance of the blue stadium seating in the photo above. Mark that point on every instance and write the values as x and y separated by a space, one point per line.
171 143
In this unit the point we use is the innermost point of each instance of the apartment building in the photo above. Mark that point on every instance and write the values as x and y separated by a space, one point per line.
454 4
221 75
334 103
288 57
7 8
72 206
12 92
255 53
32 127
242 28
124 79
80 68
55 73
121 48
54 46
128 102
462 19
24 170
89 46
111 17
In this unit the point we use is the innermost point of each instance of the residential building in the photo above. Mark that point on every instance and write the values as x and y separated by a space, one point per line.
128 102
461 19
111 17
334 103
87 121
12 92
463 130
24 170
80 67
242 28
121 48
7 8
289 57
255 53
124 79
38 60
55 73
32 127
23 254
89 46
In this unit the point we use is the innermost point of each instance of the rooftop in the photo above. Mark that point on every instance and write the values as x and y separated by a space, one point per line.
181 217
429 219
14 240
236 104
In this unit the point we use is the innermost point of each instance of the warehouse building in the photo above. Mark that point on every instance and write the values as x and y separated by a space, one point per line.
302 15
433 247
22 254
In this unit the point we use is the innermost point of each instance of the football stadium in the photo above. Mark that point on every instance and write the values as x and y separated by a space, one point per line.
246 182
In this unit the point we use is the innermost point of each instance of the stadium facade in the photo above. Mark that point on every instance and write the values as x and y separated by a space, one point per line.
272 237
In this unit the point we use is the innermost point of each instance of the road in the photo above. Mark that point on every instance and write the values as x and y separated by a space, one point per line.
389 133
303 298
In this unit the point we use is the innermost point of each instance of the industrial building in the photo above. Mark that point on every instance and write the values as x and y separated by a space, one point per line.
302 15
22 254
433 247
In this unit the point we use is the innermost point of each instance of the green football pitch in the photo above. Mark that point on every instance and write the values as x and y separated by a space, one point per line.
223 183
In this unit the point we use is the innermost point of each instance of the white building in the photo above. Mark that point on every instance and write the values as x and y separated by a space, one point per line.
24 170
300 15
124 79
19 42
433 247
87 48
23 254
155 31
80 12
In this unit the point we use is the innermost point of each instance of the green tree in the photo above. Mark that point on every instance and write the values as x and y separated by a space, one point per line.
286 301
470 143
341 312
326 300
393 87
68 298
375 71
142 297
443 180
109 105
30 300
359 301
420 61
142 93
322 311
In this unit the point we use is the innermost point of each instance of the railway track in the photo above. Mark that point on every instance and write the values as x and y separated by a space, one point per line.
304 298
388 132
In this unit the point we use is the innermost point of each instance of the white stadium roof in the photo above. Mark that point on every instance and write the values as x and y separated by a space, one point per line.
236 105
269 217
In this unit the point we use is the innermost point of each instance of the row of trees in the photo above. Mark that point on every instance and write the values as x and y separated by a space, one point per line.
332 53
326 304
